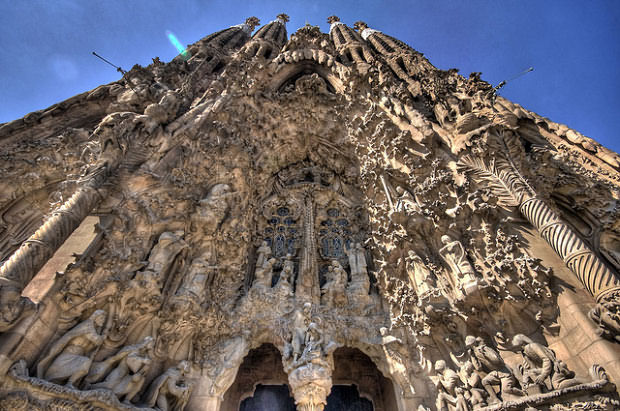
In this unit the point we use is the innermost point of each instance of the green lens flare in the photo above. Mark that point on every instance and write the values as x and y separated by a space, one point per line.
177 44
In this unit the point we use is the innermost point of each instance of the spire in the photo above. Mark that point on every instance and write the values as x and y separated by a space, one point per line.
232 37
274 31
350 47
381 42
269 39
405 62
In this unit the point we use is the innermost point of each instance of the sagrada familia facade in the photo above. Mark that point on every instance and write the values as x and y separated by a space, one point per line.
314 222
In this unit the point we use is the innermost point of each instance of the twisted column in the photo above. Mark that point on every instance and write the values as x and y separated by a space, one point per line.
17 271
593 273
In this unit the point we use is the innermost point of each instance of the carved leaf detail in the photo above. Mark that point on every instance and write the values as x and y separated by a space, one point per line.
500 181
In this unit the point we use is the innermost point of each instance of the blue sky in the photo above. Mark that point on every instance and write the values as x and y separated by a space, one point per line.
574 46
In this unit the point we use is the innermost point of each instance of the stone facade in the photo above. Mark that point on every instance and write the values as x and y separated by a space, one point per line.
326 216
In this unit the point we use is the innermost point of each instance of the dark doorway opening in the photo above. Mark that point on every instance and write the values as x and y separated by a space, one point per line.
269 398
347 398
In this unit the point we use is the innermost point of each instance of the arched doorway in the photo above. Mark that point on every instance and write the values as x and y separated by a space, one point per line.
347 398
261 383
269 398
358 385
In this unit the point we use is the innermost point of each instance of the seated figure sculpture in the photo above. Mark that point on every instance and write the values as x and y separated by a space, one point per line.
71 356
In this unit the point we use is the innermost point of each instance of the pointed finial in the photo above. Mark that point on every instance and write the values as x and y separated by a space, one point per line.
360 26
283 17
252 22
333 19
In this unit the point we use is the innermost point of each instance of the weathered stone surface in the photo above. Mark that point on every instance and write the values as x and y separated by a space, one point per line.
332 201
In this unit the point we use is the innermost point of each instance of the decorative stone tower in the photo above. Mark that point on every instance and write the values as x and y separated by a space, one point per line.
320 222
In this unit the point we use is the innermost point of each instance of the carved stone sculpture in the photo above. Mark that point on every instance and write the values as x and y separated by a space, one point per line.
70 357
195 281
455 256
540 365
264 207
212 209
450 388
486 359
123 373
419 275
170 391
334 288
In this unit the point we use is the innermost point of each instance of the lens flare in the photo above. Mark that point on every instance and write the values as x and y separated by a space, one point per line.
177 44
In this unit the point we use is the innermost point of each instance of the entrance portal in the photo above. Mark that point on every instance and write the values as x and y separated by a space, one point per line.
262 385
347 398
269 398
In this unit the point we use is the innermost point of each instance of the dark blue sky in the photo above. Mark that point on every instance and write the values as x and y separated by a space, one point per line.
574 46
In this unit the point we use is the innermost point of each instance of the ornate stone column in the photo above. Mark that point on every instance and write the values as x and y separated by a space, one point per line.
23 265
593 273
506 180
307 283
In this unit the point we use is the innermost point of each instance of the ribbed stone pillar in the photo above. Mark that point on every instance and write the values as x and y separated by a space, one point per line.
591 271
17 271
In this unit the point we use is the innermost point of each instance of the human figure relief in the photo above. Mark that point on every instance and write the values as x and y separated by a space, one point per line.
264 275
71 356
454 255
540 364
396 361
123 373
360 282
450 388
487 359
286 275
196 280
419 275
264 253
170 391
333 290
300 323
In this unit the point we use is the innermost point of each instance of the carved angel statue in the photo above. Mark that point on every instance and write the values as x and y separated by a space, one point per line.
229 353
123 373
71 356
170 391
333 290
286 275
357 260
454 254
196 280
